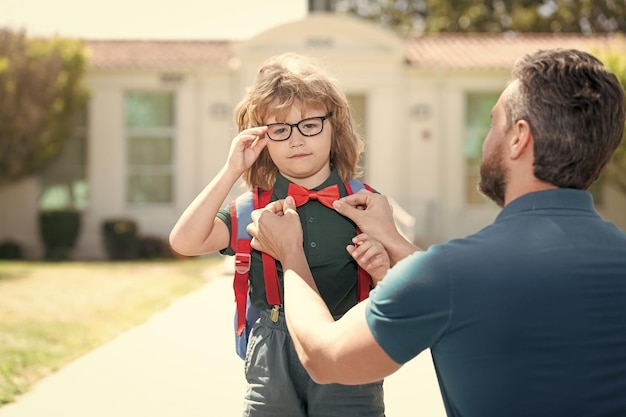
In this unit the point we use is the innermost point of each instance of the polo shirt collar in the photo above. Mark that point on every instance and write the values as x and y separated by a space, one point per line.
282 183
563 199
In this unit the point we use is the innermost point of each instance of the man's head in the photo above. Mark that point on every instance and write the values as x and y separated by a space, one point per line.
575 109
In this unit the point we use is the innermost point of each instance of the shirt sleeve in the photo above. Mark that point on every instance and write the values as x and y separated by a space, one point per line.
410 309
224 215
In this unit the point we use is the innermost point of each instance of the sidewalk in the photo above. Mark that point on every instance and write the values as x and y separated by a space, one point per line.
182 363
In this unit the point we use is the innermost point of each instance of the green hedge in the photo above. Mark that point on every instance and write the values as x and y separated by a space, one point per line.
59 230
121 239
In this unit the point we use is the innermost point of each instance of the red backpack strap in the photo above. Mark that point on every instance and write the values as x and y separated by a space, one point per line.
240 211
240 243
270 274
364 283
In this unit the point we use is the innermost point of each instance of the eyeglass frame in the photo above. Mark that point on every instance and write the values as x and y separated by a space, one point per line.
297 126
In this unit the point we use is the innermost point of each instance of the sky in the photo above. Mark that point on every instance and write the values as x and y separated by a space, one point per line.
149 19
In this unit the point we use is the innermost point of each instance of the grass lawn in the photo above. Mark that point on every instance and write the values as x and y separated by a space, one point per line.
52 313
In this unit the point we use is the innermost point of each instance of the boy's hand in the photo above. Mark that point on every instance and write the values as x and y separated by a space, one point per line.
371 256
246 148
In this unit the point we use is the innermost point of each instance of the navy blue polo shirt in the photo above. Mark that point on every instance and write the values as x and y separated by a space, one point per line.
326 235
527 317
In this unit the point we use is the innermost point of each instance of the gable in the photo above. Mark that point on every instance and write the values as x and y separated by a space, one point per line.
337 36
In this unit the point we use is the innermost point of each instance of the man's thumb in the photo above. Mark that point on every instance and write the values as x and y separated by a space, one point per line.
344 209
289 204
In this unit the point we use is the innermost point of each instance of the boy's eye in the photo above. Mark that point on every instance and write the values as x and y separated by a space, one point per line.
279 130
310 126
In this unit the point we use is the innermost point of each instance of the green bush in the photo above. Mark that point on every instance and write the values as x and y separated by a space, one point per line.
154 247
121 239
59 231
11 250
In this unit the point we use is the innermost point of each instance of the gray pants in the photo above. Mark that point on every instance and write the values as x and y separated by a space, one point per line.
279 386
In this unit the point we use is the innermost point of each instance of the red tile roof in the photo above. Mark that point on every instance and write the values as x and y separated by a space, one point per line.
157 54
446 51
494 51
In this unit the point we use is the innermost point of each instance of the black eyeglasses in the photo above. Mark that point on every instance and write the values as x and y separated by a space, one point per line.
308 127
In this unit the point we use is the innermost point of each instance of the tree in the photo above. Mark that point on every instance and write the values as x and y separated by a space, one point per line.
615 173
420 16
40 92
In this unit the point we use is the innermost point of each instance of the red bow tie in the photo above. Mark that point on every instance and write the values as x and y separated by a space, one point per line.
325 196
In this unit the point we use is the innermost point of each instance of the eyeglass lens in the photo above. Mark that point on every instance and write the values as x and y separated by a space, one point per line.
308 127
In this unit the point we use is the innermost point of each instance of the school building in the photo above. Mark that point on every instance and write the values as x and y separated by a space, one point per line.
159 125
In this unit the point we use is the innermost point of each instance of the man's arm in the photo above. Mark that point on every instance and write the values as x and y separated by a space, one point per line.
342 351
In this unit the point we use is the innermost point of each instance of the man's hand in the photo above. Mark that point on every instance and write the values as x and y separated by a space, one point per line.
276 229
374 216
371 212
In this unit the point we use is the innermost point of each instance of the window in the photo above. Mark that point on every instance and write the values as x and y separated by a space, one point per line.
63 181
150 131
478 107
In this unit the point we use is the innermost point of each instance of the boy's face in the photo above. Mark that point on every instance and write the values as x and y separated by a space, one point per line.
304 160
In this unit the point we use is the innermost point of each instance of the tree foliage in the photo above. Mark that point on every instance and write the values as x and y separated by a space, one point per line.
40 93
432 16
616 172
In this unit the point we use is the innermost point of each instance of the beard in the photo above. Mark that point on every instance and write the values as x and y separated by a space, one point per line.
493 174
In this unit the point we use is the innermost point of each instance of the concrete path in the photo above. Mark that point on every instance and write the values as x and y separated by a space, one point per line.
181 363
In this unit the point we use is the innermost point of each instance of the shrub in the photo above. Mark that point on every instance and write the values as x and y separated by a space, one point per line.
153 247
121 239
59 231
11 250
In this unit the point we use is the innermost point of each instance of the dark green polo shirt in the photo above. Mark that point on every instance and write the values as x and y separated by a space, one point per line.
526 317
326 235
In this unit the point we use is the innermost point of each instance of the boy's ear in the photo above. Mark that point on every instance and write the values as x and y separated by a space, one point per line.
522 140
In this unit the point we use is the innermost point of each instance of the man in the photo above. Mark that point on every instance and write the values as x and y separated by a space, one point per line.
527 317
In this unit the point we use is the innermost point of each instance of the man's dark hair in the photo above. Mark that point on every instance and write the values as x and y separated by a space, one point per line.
575 108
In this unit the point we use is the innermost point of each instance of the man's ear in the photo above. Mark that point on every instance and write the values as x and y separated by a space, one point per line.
522 140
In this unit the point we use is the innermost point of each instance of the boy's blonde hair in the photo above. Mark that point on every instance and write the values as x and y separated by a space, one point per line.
289 79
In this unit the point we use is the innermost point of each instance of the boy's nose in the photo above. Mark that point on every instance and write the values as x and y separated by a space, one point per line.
296 138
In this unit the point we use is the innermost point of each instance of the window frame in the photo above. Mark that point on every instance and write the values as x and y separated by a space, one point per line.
147 171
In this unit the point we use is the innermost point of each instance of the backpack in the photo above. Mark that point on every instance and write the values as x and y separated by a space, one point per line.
245 313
